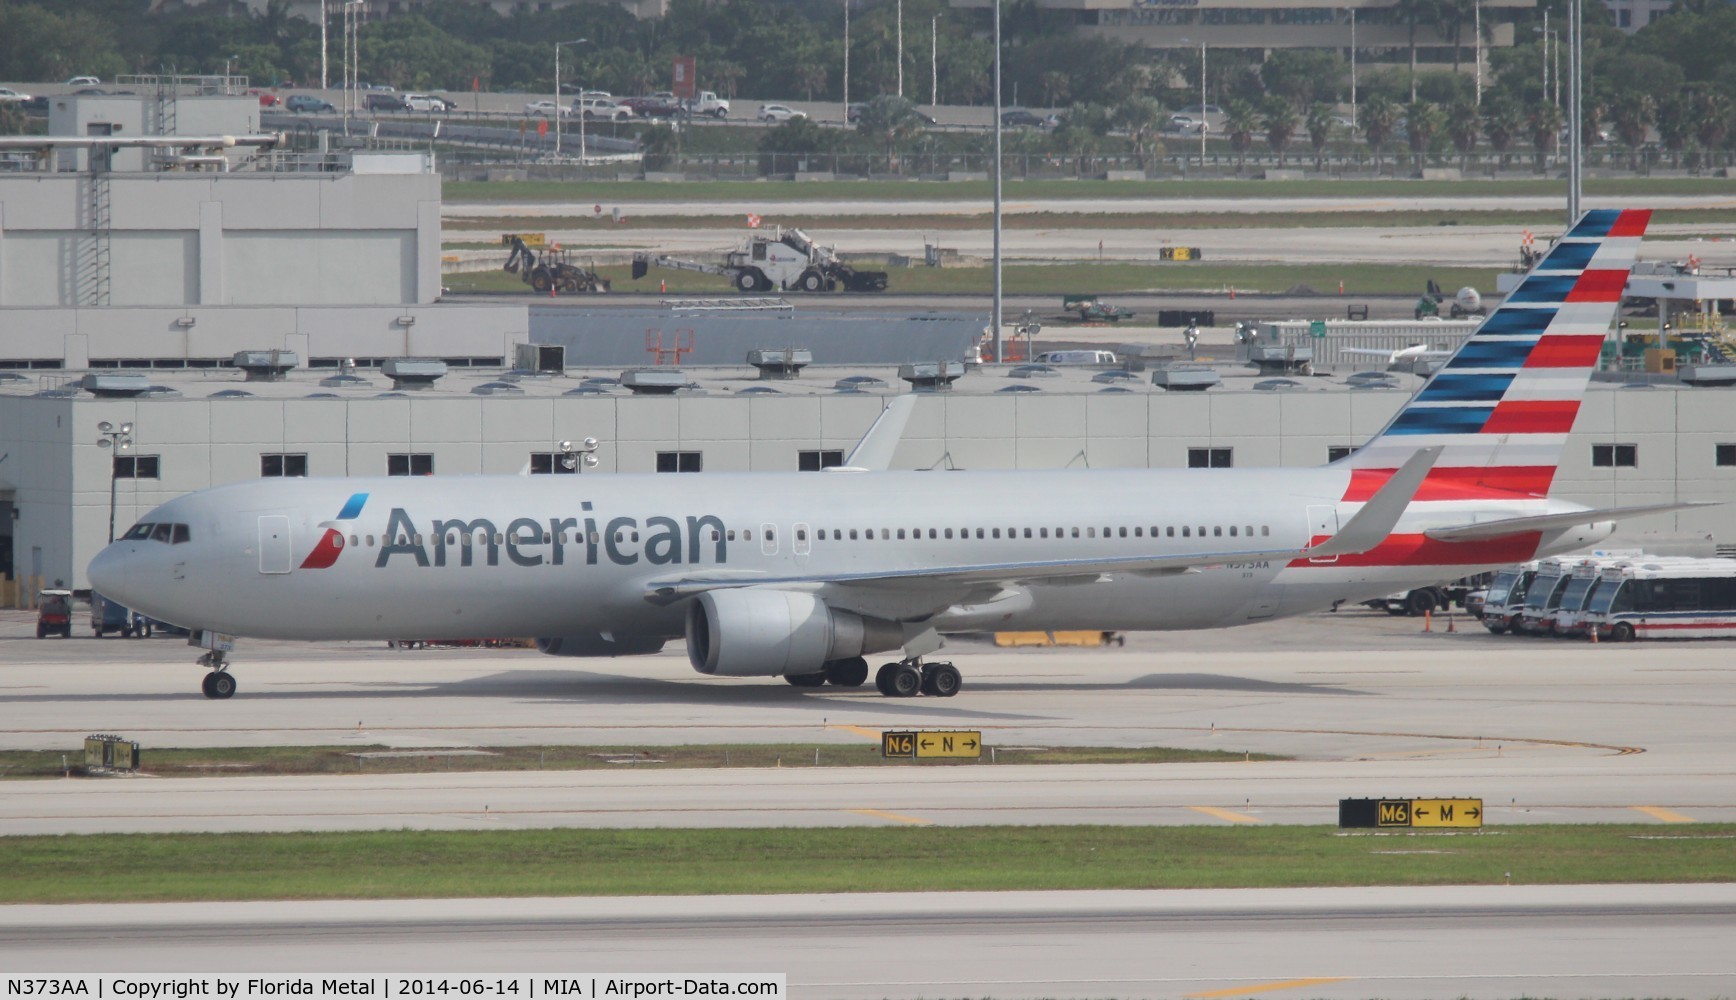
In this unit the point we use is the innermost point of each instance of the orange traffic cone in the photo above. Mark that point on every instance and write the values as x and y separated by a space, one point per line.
1428 621
1593 631
1450 623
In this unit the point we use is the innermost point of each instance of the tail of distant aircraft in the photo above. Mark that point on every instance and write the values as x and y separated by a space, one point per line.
1503 404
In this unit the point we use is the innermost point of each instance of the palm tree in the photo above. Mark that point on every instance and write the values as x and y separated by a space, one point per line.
1280 124
1632 113
1422 121
1675 126
1501 123
1543 124
1240 121
892 120
1709 111
1057 88
1140 117
1319 126
1379 116
1462 128
1413 13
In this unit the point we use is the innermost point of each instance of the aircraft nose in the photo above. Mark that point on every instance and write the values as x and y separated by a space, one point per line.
109 573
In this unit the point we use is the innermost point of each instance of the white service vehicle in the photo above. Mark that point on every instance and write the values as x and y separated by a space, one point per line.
1077 357
707 104
782 260
1665 599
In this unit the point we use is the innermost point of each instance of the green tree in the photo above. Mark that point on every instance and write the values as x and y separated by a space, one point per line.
1303 76
1675 126
1413 14
1632 113
1422 122
1240 122
1057 88
1319 126
1378 119
1709 110
660 146
1543 125
1279 120
799 137
1140 118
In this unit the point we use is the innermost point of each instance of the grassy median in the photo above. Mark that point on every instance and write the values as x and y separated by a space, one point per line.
199 867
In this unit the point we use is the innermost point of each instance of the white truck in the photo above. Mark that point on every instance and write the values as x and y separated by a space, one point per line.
708 104
783 260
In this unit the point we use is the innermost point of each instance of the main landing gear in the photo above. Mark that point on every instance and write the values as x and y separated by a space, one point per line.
908 678
219 683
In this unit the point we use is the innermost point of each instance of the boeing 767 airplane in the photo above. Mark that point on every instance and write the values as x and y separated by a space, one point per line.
804 575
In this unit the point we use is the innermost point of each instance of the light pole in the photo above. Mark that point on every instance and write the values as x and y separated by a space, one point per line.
934 61
995 306
324 72
229 74
1203 119
1353 68
846 61
116 440
1477 31
900 48
558 109
1575 108
577 458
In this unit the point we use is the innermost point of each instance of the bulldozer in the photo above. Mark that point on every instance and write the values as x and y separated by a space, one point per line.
548 270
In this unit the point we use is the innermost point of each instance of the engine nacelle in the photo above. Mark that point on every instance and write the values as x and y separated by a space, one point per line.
594 644
770 633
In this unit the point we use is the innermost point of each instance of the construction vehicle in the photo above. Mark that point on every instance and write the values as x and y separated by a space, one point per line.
784 260
1466 302
548 270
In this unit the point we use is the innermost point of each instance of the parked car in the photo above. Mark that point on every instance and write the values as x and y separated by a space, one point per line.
267 99
300 103
545 109
601 108
83 81
1020 118
779 113
7 94
853 113
54 614
442 104
424 103
383 101
1184 125
653 106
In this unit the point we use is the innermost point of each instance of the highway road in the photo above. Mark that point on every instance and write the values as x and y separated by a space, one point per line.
1473 942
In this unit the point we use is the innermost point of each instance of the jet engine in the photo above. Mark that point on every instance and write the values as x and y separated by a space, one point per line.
770 633
596 644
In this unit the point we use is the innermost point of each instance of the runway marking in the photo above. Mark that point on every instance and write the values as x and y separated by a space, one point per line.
1660 813
894 817
1225 814
873 734
1286 984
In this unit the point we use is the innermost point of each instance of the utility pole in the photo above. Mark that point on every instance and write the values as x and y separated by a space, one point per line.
934 61
1477 30
900 48
846 115
1575 110
324 72
995 307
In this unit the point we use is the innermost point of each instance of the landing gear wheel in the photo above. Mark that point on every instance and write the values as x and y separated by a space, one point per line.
941 680
1621 632
810 281
883 678
219 685
906 681
851 672
747 281
806 680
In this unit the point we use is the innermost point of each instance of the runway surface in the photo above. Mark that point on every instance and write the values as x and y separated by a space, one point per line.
1368 705
1475 942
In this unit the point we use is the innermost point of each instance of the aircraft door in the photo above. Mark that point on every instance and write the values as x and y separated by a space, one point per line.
274 556
1322 524
800 545
769 539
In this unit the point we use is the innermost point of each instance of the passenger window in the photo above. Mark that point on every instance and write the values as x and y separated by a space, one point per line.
1185 533
997 533
1027 532
1265 529
949 532
1249 530
1217 531
1139 532
801 534
885 534
901 534
1232 531
1122 532
852 534
932 533
1075 532
355 540
1090 532
1045 532
732 534
370 541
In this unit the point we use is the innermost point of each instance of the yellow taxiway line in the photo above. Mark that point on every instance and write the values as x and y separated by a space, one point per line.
1226 816
1660 813
873 734
1286 984
894 817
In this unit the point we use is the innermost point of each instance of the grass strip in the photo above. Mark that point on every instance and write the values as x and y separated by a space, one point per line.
1542 222
377 759
1067 279
697 189
420 864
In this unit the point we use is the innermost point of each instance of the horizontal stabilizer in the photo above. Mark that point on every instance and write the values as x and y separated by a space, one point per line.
1374 522
1549 522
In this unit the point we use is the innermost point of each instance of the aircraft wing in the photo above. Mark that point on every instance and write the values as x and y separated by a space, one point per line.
1366 529
1483 530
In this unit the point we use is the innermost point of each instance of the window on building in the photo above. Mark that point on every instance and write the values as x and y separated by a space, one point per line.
545 463
1334 452
282 465
137 467
1725 454
680 461
1208 458
419 463
814 461
1614 456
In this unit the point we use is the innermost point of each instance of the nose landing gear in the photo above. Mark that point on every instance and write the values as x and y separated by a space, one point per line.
219 683
908 678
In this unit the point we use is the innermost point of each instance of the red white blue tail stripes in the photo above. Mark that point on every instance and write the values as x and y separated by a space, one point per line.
1504 403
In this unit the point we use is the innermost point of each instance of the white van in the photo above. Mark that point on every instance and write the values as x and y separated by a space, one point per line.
1105 358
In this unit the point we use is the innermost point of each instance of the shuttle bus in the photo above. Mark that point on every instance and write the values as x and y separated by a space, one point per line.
1506 595
1665 599
1542 596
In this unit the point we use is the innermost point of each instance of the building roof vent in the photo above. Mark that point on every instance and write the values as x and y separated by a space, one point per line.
858 383
654 381
497 389
106 385
932 376
413 373
12 378
549 359
784 363
265 366
344 380
1185 377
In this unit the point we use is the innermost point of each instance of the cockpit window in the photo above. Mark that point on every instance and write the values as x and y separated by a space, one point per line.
174 534
161 533
182 534
138 531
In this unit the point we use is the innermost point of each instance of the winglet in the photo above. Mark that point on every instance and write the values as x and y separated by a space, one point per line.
1374 522
874 452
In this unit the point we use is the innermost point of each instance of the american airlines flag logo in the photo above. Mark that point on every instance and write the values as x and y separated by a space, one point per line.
331 544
